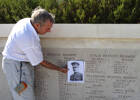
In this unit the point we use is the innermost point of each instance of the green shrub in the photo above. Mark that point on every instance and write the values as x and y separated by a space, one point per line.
74 11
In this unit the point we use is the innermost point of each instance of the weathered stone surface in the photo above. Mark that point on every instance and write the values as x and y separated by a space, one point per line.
111 54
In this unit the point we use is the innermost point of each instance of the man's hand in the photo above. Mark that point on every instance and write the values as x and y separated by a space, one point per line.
49 65
64 70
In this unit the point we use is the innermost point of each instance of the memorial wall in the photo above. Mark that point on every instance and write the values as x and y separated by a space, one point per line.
111 53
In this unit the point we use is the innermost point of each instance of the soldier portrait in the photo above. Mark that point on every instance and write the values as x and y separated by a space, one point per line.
77 72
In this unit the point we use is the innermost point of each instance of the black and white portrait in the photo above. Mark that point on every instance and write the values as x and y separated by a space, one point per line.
76 71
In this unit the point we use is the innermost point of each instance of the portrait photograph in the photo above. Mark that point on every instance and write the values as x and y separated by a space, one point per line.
76 71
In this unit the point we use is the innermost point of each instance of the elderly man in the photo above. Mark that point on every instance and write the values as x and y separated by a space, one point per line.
23 51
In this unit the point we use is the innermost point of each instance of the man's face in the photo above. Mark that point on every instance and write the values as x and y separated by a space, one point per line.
76 68
46 27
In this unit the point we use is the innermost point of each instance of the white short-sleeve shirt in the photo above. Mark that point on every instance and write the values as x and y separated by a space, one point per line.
23 43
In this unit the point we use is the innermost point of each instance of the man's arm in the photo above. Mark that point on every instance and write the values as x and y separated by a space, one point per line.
49 65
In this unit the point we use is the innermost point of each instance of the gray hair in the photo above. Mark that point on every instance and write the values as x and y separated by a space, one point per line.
40 15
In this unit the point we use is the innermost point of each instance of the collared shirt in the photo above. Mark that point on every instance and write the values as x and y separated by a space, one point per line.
23 43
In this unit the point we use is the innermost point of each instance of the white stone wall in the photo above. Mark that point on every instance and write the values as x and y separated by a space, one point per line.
116 36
